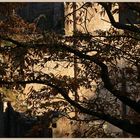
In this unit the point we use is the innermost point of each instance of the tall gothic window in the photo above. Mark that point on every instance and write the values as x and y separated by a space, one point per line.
48 16
129 13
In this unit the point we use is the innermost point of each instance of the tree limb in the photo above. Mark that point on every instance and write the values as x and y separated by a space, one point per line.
104 71
105 77
122 124
117 24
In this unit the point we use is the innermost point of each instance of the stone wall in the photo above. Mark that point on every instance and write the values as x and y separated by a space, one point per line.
87 22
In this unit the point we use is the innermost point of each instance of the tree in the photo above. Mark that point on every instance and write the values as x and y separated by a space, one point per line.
110 48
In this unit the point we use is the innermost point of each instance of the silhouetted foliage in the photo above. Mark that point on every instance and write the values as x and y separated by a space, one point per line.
105 60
